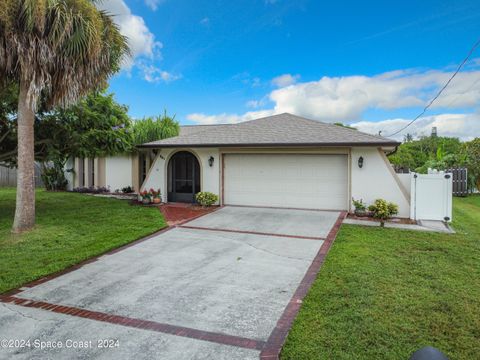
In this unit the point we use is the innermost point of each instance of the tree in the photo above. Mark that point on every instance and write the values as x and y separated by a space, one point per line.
8 131
415 154
57 49
408 137
96 126
472 149
154 128
345 126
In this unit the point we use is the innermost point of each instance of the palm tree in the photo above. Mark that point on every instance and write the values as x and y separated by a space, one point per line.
56 51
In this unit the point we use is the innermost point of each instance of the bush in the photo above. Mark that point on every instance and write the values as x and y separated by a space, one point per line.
127 190
205 198
92 190
359 204
383 210
53 177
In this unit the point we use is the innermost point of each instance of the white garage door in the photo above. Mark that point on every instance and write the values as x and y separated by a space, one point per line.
296 181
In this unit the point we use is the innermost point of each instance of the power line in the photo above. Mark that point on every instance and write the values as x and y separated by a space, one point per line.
472 50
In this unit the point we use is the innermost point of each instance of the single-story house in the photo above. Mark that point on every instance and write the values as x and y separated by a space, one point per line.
277 161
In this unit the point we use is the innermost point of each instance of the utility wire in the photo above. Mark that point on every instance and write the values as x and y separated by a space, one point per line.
472 50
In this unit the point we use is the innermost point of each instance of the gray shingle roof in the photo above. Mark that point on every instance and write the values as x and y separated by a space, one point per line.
277 130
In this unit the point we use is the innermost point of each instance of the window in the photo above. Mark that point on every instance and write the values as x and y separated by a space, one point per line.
91 172
81 172
142 160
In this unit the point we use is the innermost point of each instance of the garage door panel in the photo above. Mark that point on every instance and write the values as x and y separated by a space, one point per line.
303 181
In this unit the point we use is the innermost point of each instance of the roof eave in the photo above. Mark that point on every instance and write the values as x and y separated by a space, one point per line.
266 145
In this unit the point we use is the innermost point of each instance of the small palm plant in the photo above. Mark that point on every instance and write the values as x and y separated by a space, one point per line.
57 51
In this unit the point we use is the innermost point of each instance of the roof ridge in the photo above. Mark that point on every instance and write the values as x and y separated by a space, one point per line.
279 129
345 128
193 125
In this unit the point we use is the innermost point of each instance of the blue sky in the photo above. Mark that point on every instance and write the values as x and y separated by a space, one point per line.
371 63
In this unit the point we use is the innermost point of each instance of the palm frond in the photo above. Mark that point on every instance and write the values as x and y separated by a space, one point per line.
60 48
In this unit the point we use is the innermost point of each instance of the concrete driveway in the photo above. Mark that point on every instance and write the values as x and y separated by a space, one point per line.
214 288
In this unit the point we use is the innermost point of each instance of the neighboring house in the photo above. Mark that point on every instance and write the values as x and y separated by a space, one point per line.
279 161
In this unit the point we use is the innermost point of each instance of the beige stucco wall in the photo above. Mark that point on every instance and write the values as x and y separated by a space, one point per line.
406 180
118 172
376 179
114 172
135 176
210 175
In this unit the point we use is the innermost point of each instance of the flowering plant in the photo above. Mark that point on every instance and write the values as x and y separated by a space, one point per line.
155 193
206 199
383 210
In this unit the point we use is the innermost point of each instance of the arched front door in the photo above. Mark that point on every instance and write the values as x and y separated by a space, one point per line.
183 177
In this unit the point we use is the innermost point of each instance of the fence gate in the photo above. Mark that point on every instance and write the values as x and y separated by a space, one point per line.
431 197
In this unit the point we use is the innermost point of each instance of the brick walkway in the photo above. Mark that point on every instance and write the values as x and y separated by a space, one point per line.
178 213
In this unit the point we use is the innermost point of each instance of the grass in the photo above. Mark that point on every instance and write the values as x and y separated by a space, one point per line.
384 293
70 228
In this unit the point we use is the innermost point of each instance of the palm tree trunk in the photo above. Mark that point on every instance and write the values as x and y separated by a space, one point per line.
25 206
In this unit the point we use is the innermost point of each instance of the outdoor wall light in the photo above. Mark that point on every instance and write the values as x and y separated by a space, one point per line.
210 161
360 162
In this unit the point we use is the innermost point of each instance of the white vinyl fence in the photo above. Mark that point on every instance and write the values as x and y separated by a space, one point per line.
431 196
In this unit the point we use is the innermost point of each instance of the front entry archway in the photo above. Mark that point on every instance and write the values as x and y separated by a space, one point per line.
183 177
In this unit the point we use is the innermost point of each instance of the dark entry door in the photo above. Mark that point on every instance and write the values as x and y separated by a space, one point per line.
184 177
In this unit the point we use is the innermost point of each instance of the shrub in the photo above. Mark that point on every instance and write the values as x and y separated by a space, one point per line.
359 204
92 190
383 210
205 198
53 177
127 190
392 209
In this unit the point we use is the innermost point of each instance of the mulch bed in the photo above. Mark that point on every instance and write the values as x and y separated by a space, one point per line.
392 220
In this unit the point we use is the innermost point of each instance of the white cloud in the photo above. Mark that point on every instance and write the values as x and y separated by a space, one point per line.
143 44
205 21
141 40
285 80
253 104
153 4
347 98
203 119
463 126
153 74
247 79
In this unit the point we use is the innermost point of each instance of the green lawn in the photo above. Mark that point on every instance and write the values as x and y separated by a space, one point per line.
383 293
70 228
